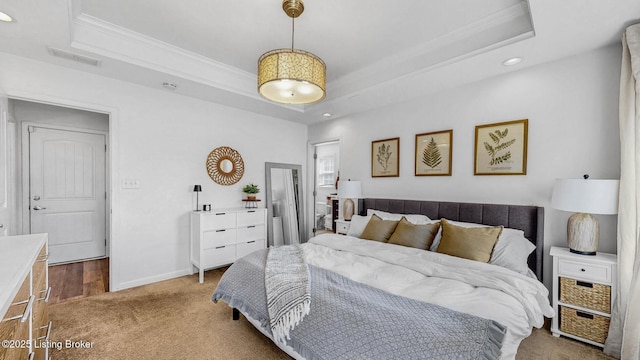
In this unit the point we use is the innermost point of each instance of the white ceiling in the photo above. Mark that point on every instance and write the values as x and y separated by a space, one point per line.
377 52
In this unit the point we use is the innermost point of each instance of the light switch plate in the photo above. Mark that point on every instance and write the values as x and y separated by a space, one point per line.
130 183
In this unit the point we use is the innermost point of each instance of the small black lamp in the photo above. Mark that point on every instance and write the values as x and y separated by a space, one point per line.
197 189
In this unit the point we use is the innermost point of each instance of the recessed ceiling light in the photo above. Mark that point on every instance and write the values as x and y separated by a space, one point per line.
5 17
170 86
327 115
512 61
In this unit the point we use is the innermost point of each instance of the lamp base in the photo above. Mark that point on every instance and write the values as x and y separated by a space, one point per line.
583 234
347 209
583 252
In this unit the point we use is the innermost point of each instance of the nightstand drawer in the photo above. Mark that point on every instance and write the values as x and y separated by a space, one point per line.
583 324
342 227
585 294
592 272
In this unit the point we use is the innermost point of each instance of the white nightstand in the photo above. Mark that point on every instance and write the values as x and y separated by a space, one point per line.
342 226
583 289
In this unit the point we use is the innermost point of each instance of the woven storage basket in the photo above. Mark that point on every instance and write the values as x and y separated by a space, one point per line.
585 294
588 326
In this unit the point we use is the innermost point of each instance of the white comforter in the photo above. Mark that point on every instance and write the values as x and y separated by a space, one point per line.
489 291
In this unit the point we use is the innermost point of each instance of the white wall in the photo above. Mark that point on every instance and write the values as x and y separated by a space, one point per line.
161 139
60 116
573 129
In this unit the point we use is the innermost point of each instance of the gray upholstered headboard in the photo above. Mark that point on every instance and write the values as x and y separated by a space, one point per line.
529 219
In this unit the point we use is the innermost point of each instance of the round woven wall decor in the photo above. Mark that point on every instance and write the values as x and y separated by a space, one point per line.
225 165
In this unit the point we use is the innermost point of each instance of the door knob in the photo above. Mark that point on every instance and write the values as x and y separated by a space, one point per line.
38 207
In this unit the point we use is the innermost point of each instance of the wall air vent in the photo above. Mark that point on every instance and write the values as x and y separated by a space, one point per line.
74 57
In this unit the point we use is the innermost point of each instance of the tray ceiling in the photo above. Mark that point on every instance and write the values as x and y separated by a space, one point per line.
377 52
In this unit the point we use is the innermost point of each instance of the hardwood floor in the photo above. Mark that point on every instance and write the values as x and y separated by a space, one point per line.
77 280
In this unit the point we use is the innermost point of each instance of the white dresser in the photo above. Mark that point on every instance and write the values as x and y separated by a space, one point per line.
221 236
24 293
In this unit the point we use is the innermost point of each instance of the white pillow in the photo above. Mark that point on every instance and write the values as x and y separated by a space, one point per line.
511 251
416 219
358 223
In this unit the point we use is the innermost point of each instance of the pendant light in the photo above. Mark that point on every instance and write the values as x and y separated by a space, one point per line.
291 76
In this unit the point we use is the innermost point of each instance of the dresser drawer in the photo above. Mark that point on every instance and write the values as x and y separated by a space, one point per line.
585 294
12 327
222 255
245 248
251 232
251 217
591 272
215 238
221 220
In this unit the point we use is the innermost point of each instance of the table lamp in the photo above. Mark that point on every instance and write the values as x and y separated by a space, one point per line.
349 190
197 189
585 197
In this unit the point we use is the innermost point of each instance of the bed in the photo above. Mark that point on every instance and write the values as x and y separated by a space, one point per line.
401 301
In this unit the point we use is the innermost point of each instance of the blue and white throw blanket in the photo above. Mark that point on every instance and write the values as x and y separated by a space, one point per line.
287 286
351 320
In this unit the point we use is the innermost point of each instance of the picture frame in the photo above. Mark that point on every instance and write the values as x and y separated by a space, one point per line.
385 158
501 148
433 155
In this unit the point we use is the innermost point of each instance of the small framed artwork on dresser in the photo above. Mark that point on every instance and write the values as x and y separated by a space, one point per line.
433 153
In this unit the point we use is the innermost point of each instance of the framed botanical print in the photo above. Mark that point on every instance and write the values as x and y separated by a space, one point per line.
385 158
433 153
501 148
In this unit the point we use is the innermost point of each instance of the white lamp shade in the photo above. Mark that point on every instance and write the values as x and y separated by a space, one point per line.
349 189
586 196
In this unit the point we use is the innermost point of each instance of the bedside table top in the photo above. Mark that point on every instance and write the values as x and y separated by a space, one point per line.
601 257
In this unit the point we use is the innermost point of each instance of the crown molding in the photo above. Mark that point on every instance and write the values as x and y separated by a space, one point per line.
103 38
514 24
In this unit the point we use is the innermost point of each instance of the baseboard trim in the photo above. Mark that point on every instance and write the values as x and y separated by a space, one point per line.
151 279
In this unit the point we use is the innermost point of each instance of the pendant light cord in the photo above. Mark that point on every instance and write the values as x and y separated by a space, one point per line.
293 29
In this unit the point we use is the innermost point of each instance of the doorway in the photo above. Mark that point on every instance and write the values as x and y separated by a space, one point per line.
64 183
326 158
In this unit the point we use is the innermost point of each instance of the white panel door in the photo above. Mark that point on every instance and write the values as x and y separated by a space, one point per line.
4 184
68 191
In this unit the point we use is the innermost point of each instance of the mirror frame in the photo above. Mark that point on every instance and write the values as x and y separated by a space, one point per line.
214 165
269 200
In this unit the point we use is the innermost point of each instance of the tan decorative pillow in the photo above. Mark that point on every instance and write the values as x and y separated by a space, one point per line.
468 243
417 236
378 229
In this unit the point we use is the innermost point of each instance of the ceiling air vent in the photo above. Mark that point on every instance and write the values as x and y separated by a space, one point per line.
74 57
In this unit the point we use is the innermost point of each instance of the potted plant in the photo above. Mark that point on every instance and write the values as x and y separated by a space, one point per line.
251 190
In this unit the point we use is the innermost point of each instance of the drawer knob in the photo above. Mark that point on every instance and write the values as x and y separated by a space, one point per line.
583 270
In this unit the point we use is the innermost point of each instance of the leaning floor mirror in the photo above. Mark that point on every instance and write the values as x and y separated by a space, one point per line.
285 216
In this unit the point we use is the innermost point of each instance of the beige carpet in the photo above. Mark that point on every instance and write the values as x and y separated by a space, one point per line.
175 319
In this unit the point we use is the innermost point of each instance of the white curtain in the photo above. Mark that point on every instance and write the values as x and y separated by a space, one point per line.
624 332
